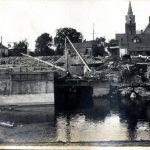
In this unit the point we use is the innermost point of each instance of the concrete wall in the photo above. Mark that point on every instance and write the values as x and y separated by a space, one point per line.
26 88
27 99
33 83
5 83
32 87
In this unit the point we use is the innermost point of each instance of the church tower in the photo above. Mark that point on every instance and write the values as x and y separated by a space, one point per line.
130 26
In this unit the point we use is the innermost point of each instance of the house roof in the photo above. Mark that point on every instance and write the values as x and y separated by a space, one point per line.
89 61
2 46
76 60
81 47
87 44
62 60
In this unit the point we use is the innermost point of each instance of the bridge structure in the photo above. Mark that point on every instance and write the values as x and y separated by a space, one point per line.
24 87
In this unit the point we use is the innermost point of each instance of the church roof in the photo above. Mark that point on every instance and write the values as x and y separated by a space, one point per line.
147 30
130 9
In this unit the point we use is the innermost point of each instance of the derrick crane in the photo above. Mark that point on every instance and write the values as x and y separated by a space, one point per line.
58 67
82 59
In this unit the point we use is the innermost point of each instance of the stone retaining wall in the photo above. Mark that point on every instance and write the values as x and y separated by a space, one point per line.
26 88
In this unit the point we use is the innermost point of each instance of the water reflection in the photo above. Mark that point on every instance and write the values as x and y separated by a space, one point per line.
105 120
136 118
27 114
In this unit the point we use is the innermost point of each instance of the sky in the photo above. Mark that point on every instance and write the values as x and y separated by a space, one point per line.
28 19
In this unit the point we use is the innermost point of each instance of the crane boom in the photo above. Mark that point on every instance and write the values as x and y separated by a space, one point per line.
48 63
57 67
79 55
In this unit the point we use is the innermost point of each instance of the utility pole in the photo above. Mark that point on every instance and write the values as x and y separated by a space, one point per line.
27 48
93 33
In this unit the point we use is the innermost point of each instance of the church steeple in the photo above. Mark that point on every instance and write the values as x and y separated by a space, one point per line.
130 26
130 12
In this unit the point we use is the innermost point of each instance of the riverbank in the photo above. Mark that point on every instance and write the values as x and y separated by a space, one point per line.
83 144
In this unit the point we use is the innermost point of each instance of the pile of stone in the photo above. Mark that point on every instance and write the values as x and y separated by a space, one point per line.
27 61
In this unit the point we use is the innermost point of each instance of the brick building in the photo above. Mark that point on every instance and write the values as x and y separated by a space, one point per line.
135 42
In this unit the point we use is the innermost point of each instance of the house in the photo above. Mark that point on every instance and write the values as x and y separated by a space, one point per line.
84 48
113 49
3 50
132 41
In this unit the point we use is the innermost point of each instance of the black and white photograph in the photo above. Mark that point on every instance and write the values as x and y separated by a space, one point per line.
75 74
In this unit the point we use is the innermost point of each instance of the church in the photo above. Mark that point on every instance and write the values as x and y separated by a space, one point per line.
133 41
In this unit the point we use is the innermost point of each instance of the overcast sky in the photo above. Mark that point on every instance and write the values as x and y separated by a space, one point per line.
28 19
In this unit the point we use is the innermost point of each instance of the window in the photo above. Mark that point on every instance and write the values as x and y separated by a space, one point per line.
121 40
136 40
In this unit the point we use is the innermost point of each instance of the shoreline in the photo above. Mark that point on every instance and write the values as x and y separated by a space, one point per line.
145 143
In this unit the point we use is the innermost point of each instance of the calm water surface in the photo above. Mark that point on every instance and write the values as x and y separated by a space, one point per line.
105 121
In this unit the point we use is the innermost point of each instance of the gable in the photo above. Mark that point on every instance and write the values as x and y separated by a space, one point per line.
81 47
62 60
147 30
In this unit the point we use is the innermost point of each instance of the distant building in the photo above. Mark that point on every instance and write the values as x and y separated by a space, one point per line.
3 50
113 49
135 42
84 48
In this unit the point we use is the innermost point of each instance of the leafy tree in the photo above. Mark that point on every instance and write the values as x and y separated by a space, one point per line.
112 42
18 48
99 47
73 35
59 50
100 40
43 45
98 50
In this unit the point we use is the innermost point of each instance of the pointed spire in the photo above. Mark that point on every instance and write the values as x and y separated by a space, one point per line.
130 12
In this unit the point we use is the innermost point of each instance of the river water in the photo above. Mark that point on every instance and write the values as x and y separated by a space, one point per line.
106 121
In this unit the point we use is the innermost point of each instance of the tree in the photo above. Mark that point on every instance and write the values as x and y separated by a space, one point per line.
99 47
73 35
112 42
18 48
43 45
100 40
98 50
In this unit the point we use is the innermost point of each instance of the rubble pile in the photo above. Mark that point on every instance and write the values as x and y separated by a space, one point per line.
27 61
136 59
141 91
126 91
112 71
